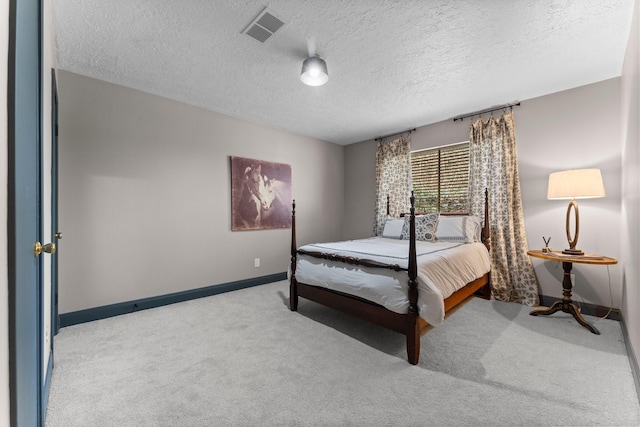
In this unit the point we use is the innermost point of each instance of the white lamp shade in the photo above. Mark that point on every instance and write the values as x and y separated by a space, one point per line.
314 71
575 184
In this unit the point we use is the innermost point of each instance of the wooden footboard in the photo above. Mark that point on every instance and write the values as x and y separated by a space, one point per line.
409 324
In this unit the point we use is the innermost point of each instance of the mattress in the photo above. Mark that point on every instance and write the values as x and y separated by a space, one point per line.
443 268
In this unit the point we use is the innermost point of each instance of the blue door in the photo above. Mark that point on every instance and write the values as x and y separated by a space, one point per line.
24 212
55 318
56 235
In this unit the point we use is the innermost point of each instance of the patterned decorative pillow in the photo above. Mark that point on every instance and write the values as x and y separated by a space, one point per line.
425 227
393 228
459 228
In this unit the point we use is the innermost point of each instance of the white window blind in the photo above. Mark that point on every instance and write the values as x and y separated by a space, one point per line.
441 179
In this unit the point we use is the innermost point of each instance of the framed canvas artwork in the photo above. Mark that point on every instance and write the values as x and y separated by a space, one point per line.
260 194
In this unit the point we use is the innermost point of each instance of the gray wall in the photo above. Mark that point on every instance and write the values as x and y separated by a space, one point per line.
145 195
571 129
630 224
359 189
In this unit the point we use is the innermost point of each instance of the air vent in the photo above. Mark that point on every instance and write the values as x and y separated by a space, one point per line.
264 26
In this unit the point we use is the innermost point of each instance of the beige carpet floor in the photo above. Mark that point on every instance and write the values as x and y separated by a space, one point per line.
243 359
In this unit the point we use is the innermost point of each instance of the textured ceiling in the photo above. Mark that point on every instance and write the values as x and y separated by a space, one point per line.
393 65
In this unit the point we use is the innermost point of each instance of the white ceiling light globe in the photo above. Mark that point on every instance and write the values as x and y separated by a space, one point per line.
314 71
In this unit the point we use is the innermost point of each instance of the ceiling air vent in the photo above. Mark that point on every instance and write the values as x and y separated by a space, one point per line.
263 27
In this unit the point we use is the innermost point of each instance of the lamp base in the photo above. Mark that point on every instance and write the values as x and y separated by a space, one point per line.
573 240
572 252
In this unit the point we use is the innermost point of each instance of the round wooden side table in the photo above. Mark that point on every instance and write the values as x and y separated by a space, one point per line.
566 304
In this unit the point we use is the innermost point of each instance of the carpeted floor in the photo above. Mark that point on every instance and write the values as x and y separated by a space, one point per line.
243 359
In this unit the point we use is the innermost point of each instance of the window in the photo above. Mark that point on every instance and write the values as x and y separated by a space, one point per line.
440 178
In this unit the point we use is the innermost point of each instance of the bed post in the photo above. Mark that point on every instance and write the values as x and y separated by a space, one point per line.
413 324
293 284
485 236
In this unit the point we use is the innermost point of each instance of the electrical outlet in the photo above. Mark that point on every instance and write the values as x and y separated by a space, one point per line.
256 262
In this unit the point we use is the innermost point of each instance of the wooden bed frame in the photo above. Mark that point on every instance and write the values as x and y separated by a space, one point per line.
409 324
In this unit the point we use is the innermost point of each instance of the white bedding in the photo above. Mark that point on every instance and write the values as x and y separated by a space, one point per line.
443 268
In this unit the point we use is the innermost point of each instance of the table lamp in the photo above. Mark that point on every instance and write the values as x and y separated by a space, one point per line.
575 184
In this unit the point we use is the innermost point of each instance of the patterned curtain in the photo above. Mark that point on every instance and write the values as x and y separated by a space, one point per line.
393 179
493 165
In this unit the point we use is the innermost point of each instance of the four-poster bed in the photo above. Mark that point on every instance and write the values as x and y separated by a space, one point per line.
408 321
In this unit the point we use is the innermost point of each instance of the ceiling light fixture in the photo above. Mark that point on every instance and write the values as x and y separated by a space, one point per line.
314 71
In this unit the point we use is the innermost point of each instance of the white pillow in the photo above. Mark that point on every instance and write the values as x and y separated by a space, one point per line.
393 228
458 228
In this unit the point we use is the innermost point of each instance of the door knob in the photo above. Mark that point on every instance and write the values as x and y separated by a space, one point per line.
58 235
49 248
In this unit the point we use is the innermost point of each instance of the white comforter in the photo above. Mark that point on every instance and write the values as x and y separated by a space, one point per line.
443 268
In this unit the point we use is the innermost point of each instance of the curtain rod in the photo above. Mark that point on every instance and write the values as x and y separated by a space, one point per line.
488 110
392 134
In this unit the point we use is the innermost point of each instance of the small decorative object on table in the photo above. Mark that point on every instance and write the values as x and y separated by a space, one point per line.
546 244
